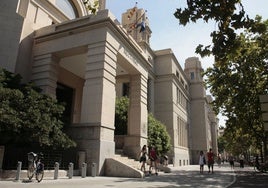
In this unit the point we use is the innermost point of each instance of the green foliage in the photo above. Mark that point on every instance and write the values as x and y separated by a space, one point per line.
229 16
238 82
158 135
29 117
221 144
236 141
91 7
121 115
240 72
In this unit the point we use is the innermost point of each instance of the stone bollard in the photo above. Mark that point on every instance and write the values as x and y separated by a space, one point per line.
71 170
56 170
93 169
18 171
84 170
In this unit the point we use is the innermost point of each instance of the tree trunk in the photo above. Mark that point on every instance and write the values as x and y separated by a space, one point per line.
265 147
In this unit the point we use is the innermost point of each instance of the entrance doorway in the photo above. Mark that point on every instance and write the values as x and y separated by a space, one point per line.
65 96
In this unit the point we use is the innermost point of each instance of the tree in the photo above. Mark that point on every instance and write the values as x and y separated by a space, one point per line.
240 72
28 117
221 144
92 7
229 16
236 142
158 135
121 115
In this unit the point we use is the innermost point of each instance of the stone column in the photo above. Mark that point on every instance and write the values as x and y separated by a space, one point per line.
150 95
137 116
98 104
45 70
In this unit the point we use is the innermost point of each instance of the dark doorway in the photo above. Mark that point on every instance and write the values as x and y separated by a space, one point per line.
65 96
126 89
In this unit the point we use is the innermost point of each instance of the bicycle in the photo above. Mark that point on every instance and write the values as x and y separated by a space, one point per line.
35 166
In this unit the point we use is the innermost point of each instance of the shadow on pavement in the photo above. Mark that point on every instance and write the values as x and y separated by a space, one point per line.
188 178
250 179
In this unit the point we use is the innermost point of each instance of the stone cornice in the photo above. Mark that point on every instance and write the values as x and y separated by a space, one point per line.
102 19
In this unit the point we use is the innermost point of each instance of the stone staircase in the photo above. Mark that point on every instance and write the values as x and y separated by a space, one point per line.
119 155
123 166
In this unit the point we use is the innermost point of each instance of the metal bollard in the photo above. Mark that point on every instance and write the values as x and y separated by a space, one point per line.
84 170
93 169
71 170
18 170
56 170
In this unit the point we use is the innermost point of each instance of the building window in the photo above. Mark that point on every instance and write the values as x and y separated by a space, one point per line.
126 89
182 82
65 95
177 74
182 132
192 75
177 95
67 7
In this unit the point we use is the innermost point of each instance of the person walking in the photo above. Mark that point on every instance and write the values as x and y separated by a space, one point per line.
210 156
219 160
202 161
257 164
241 160
231 161
143 158
153 160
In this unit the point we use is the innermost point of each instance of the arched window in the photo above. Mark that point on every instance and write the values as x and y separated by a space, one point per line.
67 7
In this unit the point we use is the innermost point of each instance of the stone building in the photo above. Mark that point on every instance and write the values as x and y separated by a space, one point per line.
92 59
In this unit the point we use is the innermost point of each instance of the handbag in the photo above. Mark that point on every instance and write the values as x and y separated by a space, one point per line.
204 160
142 158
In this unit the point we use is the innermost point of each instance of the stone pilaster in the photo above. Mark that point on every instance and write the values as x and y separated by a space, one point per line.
137 116
98 104
45 70
150 95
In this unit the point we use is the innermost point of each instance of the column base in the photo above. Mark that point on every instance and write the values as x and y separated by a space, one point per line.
133 145
89 140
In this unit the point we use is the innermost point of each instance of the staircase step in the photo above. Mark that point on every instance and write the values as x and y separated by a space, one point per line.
128 161
119 151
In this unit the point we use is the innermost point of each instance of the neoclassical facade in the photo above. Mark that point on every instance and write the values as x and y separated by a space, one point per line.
91 59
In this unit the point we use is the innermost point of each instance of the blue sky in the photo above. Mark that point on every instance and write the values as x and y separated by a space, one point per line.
167 33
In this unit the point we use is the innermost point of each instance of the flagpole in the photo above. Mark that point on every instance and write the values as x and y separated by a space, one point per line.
134 13
136 21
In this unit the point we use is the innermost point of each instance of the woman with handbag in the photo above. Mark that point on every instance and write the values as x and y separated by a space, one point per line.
202 161
143 158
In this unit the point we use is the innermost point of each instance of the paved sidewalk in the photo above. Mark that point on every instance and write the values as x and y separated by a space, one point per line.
247 177
186 176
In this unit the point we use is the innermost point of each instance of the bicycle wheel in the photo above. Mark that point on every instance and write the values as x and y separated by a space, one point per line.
39 175
39 171
30 172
